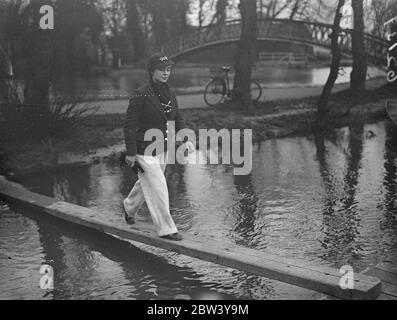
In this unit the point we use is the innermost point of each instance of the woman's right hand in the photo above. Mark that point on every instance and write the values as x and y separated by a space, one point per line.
130 160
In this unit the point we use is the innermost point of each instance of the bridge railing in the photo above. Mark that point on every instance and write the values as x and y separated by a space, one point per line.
199 37
286 57
302 32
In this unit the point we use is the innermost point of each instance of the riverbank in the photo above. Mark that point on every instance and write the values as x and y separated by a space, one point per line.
101 135
111 91
193 100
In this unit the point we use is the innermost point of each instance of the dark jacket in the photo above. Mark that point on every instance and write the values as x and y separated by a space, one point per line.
146 112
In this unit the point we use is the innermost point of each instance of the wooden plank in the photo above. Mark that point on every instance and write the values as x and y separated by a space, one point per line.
384 296
389 289
385 276
388 267
327 297
387 273
299 273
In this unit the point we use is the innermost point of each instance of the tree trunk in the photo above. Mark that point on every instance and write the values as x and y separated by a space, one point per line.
39 64
69 55
359 72
322 105
200 13
159 23
9 98
134 30
245 54
116 59
294 10
220 12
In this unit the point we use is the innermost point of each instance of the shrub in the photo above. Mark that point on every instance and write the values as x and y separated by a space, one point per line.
57 120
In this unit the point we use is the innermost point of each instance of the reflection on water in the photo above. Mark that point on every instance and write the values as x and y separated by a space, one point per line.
330 200
87 266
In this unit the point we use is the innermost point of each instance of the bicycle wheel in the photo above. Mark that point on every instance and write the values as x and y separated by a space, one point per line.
256 91
214 91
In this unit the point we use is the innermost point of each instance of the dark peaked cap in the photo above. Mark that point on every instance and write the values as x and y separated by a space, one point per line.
157 61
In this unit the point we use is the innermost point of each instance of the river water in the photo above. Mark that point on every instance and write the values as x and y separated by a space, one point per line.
194 79
327 200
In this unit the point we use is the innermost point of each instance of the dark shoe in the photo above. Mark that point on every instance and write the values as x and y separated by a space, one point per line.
174 237
128 219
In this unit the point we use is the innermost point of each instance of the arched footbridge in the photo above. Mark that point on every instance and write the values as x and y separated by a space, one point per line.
291 31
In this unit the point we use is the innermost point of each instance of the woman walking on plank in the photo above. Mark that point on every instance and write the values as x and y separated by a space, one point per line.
151 107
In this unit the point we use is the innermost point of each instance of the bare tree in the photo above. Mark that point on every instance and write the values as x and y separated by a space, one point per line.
378 13
79 23
200 14
244 57
220 11
38 48
9 97
166 19
298 8
134 29
283 8
322 105
359 71
114 14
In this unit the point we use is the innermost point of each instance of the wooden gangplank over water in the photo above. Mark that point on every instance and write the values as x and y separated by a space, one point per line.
321 279
387 273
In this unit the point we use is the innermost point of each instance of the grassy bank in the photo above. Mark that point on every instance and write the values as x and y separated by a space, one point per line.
269 120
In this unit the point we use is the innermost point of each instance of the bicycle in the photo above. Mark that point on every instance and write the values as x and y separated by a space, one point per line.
218 89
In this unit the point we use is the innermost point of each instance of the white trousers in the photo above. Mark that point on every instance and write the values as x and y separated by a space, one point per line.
152 188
